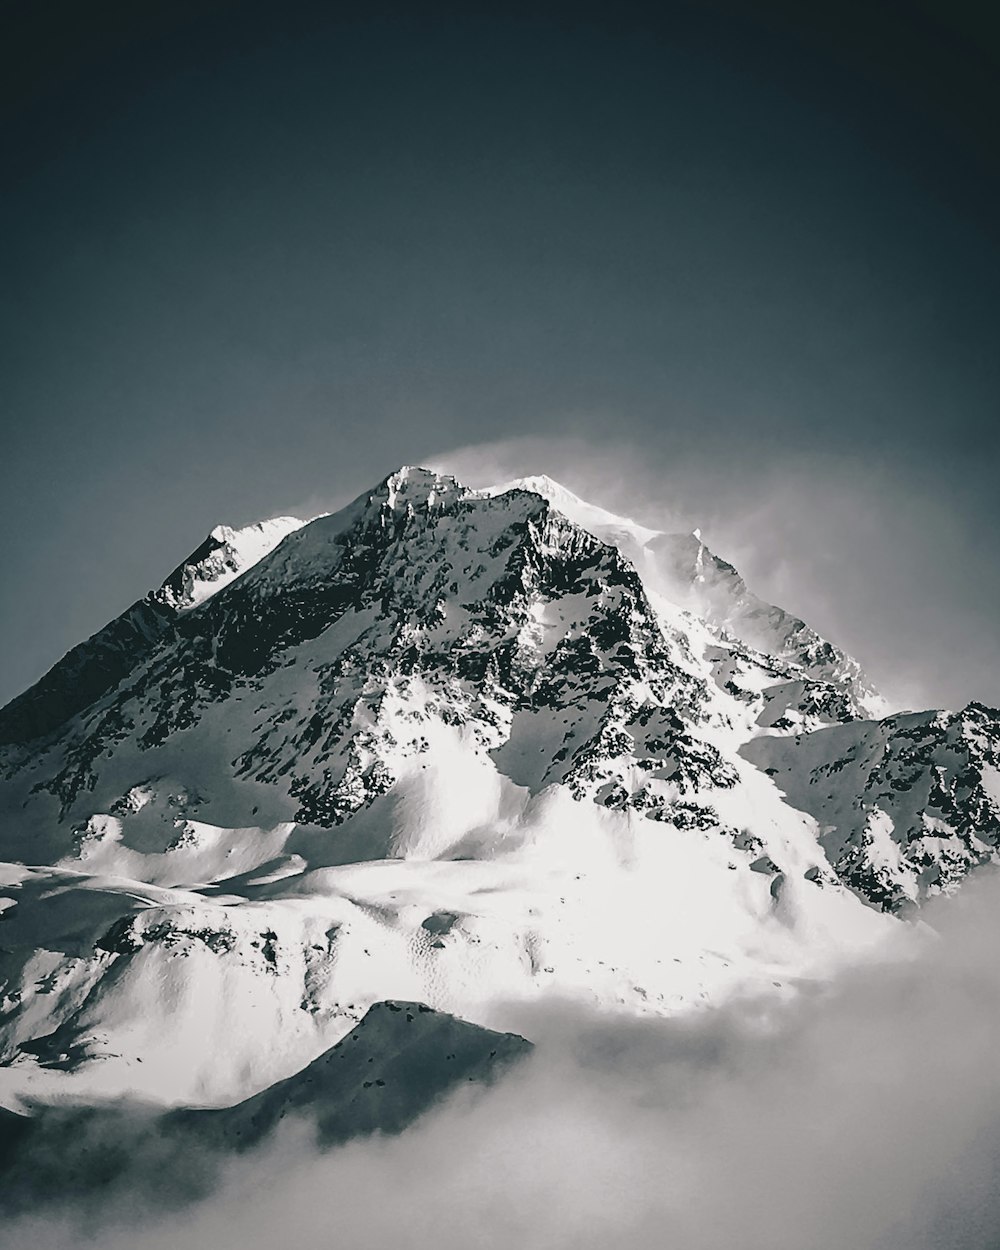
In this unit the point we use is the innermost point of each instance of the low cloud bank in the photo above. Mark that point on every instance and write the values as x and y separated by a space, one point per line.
866 1116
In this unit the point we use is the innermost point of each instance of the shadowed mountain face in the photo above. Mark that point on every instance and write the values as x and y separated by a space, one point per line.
400 1060
410 751
99 664
87 672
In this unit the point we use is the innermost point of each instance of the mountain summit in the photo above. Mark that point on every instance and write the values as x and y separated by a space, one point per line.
465 747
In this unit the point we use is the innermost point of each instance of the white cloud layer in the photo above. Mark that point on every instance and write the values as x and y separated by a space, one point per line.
867 1116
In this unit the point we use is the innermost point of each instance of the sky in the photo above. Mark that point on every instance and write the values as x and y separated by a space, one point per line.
733 266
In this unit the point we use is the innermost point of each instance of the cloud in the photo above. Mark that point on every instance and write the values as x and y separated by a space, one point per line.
868 1116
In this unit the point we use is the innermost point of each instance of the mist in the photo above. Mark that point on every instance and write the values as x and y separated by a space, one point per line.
863 1114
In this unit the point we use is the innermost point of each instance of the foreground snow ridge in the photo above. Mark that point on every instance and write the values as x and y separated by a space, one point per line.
469 749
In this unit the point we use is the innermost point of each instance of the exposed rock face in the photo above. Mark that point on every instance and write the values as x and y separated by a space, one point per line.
906 806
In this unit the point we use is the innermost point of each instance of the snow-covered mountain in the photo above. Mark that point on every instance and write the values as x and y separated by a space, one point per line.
465 748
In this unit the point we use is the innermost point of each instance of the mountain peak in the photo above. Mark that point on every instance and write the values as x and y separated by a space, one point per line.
608 526
222 557
542 484
413 484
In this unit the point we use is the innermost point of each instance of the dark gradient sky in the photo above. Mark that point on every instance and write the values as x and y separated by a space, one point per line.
737 265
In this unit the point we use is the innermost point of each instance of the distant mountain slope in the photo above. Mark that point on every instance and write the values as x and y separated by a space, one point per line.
398 1061
906 806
